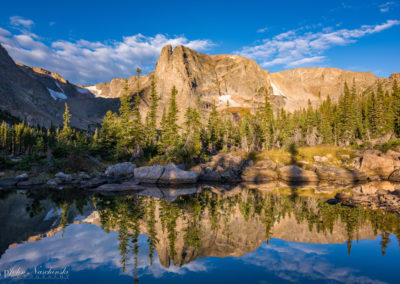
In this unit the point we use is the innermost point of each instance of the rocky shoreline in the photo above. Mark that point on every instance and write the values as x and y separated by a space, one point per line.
370 181
231 168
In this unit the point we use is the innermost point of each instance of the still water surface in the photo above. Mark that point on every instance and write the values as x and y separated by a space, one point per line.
206 235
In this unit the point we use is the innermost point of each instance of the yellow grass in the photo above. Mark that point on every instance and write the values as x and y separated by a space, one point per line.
278 155
306 155
333 153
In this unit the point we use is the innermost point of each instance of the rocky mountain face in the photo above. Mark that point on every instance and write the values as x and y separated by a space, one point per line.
38 96
228 81
235 82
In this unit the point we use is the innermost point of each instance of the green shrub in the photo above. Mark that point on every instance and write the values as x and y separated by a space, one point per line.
27 162
6 163
388 145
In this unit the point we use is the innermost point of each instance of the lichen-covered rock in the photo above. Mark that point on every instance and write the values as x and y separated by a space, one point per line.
22 177
174 175
150 174
210 176
84 176
339 175
120 170
222 168
293 173
63 177
373 164
395 176
52 182
262 171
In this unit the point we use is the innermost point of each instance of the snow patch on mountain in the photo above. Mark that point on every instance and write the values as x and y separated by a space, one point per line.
94 90
225 99
57 95
58 86
83 90
276 91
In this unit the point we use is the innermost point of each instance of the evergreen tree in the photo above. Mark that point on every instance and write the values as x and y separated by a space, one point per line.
66 131
396 107
193 145
267 117
213 130
138 73
380 123
346 116
3 135
126 105
151 118
171 136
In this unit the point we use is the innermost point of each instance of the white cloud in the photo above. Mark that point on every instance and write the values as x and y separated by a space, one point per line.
4 32
89 248
89 62
296 262
385 7
298 48
18 21
262 30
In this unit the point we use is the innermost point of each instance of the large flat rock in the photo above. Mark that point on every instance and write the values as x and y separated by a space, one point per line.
293 173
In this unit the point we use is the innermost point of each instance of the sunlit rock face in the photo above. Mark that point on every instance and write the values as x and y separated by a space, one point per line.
211 222
236 82
230 82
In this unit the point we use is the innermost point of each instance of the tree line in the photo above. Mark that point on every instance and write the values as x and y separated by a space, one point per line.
126 135
353 119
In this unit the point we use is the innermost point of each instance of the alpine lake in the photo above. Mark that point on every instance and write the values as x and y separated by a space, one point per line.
201 234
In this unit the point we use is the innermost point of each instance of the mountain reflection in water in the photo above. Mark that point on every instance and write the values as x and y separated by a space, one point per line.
160 234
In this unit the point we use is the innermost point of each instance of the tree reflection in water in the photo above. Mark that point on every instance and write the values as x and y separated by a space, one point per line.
210 222
193 224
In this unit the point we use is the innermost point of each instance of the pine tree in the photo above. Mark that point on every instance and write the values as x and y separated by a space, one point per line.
378 113
171 132
151 118
245 131
66 132
108 134
396 107
163 124
126 105
95 139
213 130
326 121
267 117
346 116
192 136
138 73
66 117
3 135
130 128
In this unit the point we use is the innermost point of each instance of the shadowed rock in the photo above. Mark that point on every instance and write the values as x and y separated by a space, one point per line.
293 173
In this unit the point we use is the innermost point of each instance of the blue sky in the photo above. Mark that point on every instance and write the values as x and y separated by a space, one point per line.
94 41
